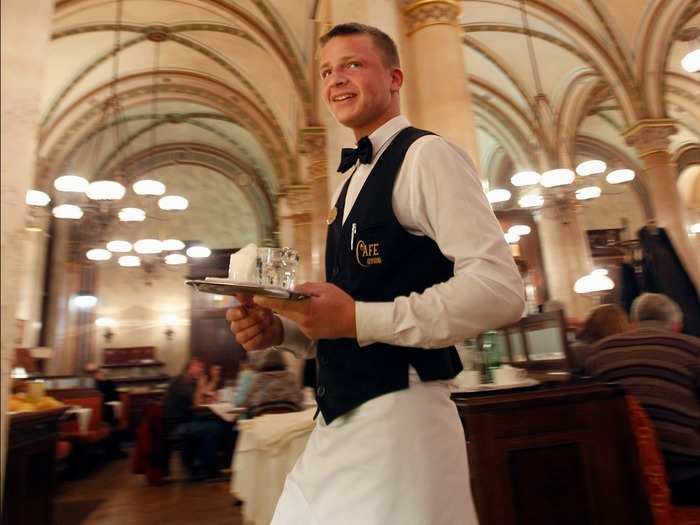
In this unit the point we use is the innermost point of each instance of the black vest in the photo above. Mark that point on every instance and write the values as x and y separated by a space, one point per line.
373 258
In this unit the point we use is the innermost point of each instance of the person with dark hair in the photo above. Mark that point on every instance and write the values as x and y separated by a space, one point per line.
661 367
273 385
183 394
211 383
415 262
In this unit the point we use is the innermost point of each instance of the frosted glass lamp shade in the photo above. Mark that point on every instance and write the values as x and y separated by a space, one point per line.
37 198
620 176
98 254
175 258
173 203
132 215
71 183
118 246
172 245
557 177
498 195
525 178
67 211
198 252
148 246
129 261
591 167
149 187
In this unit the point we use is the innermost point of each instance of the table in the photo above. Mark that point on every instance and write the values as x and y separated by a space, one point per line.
225 411
267 449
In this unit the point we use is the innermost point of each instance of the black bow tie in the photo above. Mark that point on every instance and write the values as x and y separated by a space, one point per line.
349 156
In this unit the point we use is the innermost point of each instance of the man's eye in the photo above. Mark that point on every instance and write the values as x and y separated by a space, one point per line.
353 65
325 73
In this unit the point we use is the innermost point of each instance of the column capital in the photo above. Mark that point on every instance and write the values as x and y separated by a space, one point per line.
312 141
422 13
298 197
650 135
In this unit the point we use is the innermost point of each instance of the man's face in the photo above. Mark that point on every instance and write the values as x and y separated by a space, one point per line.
357 86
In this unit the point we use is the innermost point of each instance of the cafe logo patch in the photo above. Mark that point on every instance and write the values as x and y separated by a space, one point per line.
367 254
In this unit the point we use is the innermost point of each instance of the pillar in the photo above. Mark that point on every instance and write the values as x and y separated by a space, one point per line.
650 138
26 27
441 99
313 147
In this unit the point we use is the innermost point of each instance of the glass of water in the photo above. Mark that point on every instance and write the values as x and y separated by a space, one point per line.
277 267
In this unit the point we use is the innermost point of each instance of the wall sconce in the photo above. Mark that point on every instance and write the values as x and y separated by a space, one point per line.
168 320
107 323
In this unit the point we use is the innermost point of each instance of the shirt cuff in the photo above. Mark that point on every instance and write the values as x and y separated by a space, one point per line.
294 340
374 322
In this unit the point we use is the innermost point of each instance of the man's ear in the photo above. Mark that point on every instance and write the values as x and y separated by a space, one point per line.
396 79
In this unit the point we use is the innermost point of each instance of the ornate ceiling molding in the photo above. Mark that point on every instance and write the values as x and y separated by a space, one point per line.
196 89
278 43
419 14
249 183
651 135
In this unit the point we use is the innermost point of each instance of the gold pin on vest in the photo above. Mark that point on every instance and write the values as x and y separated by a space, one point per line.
332 214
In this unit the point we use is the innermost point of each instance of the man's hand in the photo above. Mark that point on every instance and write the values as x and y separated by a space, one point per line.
255 327
328 314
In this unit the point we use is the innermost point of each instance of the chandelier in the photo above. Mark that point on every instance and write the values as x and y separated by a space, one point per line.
97 202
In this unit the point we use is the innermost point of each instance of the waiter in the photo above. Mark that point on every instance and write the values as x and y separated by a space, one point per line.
415 261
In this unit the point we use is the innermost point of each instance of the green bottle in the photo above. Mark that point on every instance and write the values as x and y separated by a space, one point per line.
491 353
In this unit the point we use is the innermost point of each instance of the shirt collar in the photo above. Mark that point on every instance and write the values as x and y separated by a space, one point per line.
380 136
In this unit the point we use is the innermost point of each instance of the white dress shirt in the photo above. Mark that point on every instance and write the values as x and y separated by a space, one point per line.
437 193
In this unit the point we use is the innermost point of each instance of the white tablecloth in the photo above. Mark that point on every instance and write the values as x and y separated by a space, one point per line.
225 411
266 450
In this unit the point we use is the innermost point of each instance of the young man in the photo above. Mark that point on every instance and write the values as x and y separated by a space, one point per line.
415 261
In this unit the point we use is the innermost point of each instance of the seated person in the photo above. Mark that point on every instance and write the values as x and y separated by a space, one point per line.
602 321
183 394
212 382
108 389
273 384
659 366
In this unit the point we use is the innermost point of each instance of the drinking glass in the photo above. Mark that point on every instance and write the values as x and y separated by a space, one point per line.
277 267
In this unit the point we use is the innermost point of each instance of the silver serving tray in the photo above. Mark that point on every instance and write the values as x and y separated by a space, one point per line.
225 287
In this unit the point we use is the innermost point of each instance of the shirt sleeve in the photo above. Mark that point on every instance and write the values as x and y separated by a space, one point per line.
438 194
295 341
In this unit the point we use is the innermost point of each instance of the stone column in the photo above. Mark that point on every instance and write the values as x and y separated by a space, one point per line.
442 100
313 147
298 197
565 251
26 27
651 139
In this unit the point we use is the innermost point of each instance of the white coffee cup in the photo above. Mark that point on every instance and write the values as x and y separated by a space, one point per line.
468 378
507 374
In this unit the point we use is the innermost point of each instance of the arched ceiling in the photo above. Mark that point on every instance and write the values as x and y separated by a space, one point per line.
602 65
234 76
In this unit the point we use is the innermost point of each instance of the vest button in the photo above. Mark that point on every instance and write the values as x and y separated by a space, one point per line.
321 391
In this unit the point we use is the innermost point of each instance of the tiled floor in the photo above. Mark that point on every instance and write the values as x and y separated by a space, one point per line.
112 495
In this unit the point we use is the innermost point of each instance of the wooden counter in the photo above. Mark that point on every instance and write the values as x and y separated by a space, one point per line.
554 456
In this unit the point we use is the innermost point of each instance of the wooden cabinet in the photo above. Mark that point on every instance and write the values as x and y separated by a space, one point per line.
30 469
556 456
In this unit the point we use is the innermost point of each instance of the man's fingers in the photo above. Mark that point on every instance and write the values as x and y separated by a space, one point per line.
245 336
253 344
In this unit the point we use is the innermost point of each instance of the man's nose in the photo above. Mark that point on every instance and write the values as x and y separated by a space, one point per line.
338 79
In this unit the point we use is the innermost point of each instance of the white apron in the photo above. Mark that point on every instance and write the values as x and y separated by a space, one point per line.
397 459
